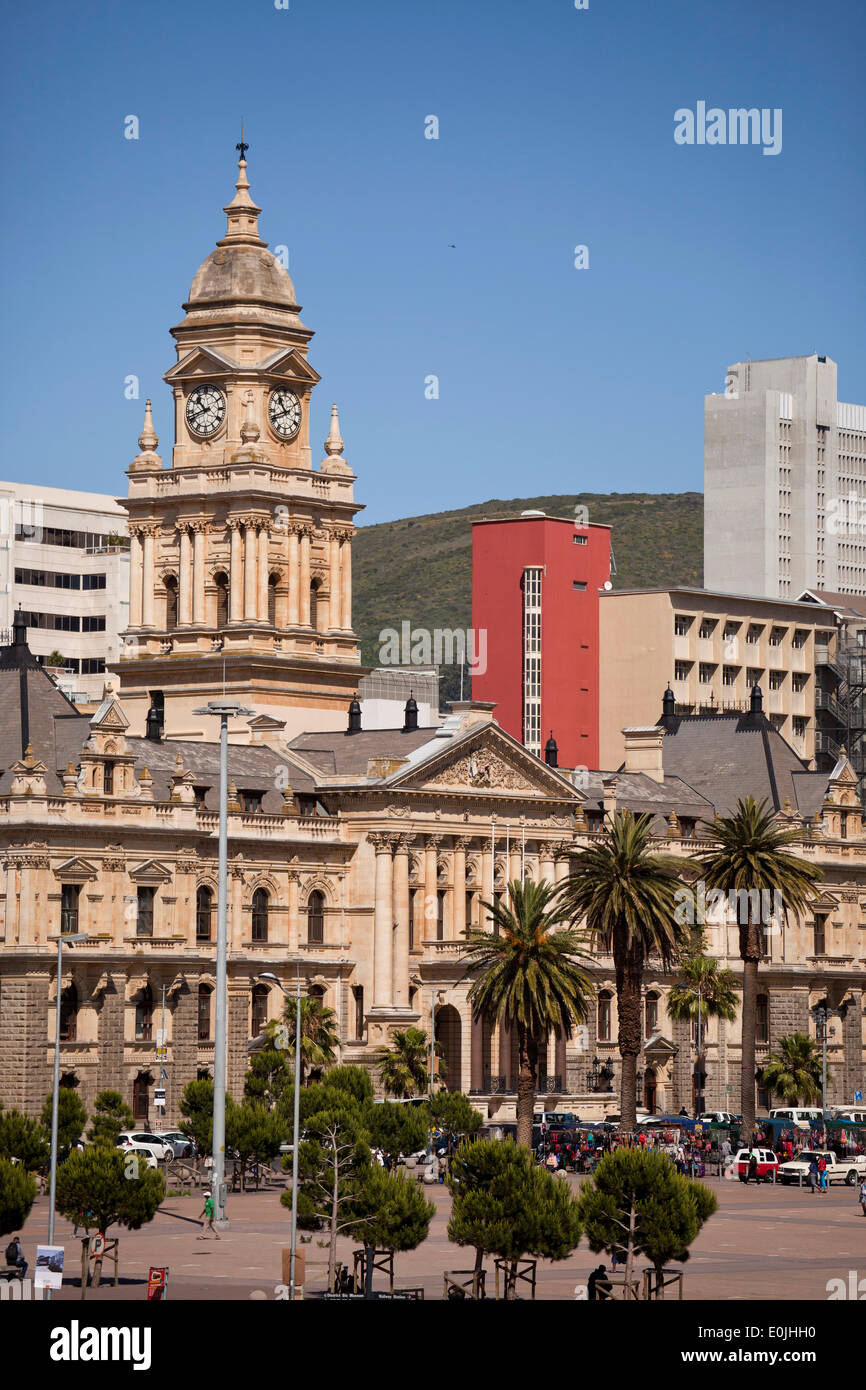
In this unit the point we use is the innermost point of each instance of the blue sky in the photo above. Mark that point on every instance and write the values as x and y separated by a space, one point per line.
555 129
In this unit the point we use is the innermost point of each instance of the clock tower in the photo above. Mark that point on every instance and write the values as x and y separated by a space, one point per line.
241 550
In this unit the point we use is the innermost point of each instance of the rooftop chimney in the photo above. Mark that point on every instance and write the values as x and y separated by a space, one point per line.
756 700
19 630
354 726
551 752
643 751
153 729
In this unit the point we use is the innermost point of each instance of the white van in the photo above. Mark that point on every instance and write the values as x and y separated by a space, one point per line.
798 1115
851 1113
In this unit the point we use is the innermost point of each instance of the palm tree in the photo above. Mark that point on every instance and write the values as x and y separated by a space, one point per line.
319 1037
527 977
794 1072
403 1065
702 979
627 895
750 858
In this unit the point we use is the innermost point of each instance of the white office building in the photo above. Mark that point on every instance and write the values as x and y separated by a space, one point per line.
784 482
64 563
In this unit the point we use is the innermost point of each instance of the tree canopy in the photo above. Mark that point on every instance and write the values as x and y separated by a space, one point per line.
110 1117
17 1195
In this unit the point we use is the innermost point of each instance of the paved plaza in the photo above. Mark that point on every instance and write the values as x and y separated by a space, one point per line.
764 1243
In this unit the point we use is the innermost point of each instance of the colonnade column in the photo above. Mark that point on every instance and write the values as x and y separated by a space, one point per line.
476 1066
199 534
236 578
382 922
334 618
458 910
294 575
149 537
262 574
184 578
250 545
304 578
135 563
400 963
431 882
294 927
487 875
346 581
546 862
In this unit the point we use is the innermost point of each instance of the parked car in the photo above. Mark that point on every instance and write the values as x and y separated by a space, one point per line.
848 1170
799 1115
142 1153
181 1144
159 1148
768 1164
717 1117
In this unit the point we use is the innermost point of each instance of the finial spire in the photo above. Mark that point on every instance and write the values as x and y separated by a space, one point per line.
242 212
147 439
334 443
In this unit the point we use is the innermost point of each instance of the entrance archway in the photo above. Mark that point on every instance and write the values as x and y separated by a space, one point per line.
650 1089
449 1034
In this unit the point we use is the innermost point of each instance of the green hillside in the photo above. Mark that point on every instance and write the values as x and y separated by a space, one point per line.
420 568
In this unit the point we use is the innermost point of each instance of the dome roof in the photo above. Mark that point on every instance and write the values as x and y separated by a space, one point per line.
242 272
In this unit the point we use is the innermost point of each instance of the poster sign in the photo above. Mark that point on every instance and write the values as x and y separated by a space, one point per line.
49 1267
159 1097
157 1281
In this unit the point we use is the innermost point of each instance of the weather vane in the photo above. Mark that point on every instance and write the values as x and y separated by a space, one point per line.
242 146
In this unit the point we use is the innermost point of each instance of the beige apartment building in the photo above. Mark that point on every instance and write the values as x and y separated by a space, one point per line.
712 649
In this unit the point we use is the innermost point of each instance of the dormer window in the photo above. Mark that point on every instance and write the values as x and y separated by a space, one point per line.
251 802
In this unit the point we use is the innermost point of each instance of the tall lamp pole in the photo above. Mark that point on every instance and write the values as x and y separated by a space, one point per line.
224 710
293 1247
68 938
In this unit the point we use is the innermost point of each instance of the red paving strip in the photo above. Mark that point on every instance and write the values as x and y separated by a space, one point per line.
764 1242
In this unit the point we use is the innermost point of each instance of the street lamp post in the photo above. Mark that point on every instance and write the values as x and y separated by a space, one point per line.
293 1244
68 938
224 710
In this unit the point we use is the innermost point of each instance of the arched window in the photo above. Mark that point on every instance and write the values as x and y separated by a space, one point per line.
203 914
69 1014
273 581
316 992
762 1018
651 1015
604 1015
170 603
260 915
316 918
314 607
141 1095
204 998
222 599
259 1010
144 1014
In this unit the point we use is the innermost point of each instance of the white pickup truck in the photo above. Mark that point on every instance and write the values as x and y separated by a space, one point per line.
849 1170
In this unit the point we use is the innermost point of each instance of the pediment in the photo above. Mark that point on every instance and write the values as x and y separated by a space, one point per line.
289 365
660 1046
202 364
76 870
110 716
825 902
152 871
487 761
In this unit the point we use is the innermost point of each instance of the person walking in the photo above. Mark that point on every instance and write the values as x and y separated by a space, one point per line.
813 1175
753 1169
207 1212
15 1256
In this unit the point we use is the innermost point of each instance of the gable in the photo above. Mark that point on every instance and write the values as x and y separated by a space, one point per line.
109 716
486 760
150 872
290 365
201 364
75 870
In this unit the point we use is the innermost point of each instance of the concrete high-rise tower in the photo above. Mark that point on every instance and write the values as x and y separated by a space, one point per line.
784 482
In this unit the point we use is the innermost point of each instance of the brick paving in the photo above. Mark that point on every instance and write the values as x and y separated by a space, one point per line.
764 1243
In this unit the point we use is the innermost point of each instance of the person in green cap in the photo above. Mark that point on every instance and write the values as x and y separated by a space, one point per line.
208 1213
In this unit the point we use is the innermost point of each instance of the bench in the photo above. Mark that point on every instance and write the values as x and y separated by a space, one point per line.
9 1272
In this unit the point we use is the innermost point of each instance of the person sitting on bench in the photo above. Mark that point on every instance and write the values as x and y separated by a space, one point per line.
15 1256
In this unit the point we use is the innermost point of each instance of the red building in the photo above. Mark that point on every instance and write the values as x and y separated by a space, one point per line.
535 584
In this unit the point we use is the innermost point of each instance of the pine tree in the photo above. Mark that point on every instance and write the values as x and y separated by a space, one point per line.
196 1105
108 1187
71 1119
254 1133
390 1212
24 1139
111 1116
17 1195
453 1112
505 1205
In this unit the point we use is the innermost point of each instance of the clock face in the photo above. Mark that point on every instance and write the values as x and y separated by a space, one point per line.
205 410
284 410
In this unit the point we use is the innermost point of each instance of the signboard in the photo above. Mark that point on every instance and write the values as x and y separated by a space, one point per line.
159 1097
97 1246
858 1096
49 1267
729 1089
160 1038
161 1053
157 1282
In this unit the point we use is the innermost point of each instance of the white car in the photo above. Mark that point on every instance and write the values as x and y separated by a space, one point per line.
143 1154
848 1170
159 1148
716 1117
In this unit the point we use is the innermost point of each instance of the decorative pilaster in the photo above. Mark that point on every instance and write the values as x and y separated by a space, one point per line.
346 582
250 570
184 580
262 573
304 577
199 531
458 905
294 577
135 576
236 572
334 618
431 882
400 963
294 880
149 534
382 922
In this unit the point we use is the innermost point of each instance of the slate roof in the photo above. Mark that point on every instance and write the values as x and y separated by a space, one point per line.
252 767
340 754
33 711
731 755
